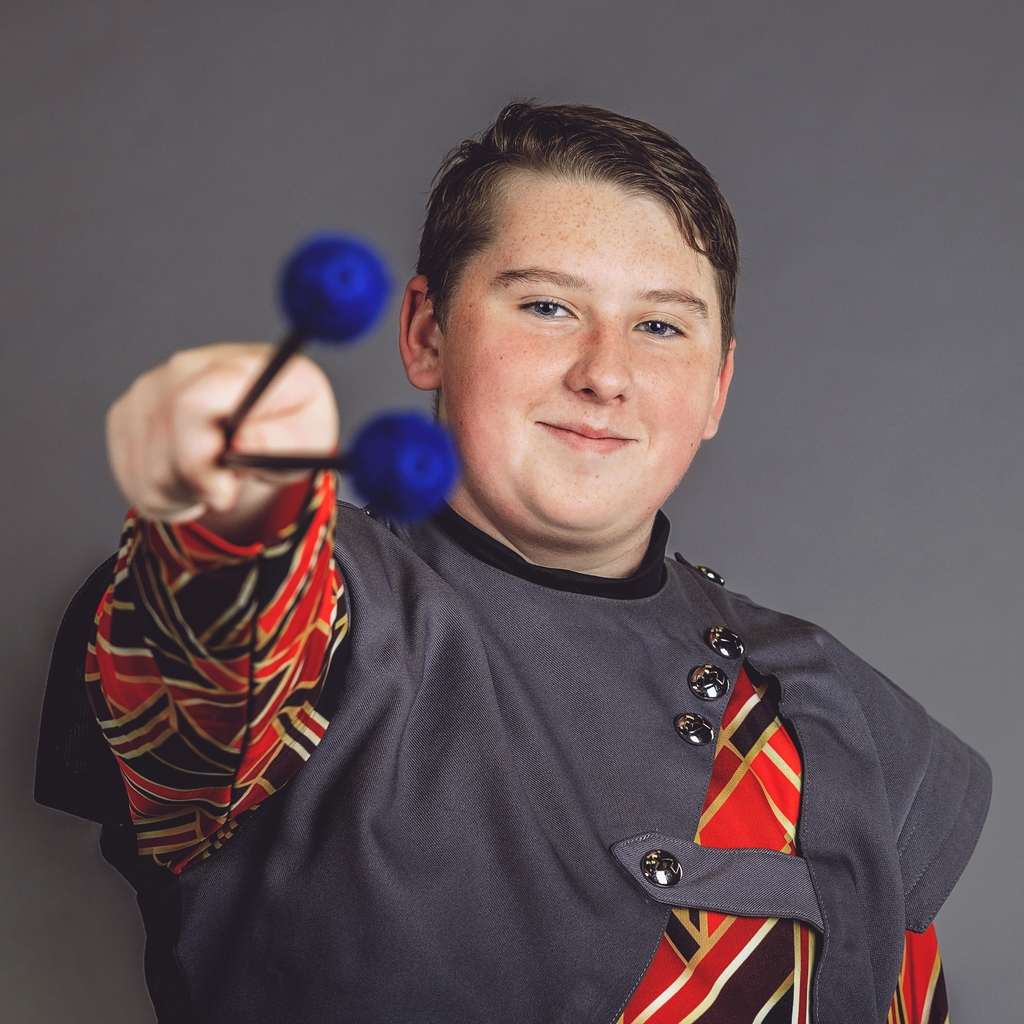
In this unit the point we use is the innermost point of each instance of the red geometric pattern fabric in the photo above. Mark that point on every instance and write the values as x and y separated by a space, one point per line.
921 990
206 666
713 967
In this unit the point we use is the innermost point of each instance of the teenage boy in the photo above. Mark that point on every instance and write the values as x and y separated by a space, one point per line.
510 764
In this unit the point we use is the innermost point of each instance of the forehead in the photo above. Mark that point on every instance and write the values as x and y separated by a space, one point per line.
597 225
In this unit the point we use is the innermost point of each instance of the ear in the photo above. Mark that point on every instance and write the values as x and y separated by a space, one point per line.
419 337
721 393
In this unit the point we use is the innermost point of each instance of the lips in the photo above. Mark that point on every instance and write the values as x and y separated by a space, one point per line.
585 430
587 437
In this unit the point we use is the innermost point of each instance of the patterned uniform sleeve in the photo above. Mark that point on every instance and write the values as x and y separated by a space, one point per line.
206 666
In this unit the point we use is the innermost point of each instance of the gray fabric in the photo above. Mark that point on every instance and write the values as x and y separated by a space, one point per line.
745 882
952 802
866 745
447 852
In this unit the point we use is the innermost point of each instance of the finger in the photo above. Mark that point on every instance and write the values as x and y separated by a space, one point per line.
297 413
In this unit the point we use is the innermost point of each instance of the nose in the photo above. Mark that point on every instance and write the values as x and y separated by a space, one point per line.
602 370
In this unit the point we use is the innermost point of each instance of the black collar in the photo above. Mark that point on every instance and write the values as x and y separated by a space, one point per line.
645 582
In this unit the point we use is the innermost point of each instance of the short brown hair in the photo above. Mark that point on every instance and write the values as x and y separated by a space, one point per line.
580 143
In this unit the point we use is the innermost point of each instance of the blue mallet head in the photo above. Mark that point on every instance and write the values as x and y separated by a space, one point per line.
403 464
333 288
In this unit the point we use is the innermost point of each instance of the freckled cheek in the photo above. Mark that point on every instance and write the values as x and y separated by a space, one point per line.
675 425
477 405
506 378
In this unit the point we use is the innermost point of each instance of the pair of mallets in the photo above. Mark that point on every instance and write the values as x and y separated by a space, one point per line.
403 465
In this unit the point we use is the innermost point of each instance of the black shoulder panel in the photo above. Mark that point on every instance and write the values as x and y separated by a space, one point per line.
75 769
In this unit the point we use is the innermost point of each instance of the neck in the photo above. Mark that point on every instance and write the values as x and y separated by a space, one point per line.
558 547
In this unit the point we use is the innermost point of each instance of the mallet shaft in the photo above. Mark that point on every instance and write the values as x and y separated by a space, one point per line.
289 345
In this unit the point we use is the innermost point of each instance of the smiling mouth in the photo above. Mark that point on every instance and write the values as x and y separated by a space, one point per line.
587 439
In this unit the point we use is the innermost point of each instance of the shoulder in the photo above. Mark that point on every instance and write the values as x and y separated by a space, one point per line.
799 651
374 554
937 787
394 594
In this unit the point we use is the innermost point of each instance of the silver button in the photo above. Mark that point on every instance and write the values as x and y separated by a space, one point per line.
709 682
724 642
711 574
661 868
695 729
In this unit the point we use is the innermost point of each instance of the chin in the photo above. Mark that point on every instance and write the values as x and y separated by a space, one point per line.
575 516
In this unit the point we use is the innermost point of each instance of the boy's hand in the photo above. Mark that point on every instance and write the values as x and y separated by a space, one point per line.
165 435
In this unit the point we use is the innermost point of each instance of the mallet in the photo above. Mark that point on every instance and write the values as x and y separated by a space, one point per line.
333 289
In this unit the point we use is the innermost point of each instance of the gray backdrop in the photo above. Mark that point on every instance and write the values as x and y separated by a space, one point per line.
159 159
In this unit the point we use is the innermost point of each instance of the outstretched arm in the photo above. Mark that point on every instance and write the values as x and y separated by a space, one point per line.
212 644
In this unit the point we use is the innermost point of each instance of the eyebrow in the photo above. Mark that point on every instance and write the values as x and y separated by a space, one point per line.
563 280
556 277
697 305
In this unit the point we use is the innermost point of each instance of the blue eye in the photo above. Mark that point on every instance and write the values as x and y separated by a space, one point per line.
545 308
659 328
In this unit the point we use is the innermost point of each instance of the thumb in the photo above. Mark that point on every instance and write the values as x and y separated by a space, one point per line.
220 490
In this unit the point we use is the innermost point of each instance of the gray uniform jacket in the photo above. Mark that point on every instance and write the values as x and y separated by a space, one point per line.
465 844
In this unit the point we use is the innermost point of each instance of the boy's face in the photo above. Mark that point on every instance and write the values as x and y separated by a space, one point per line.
580 369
